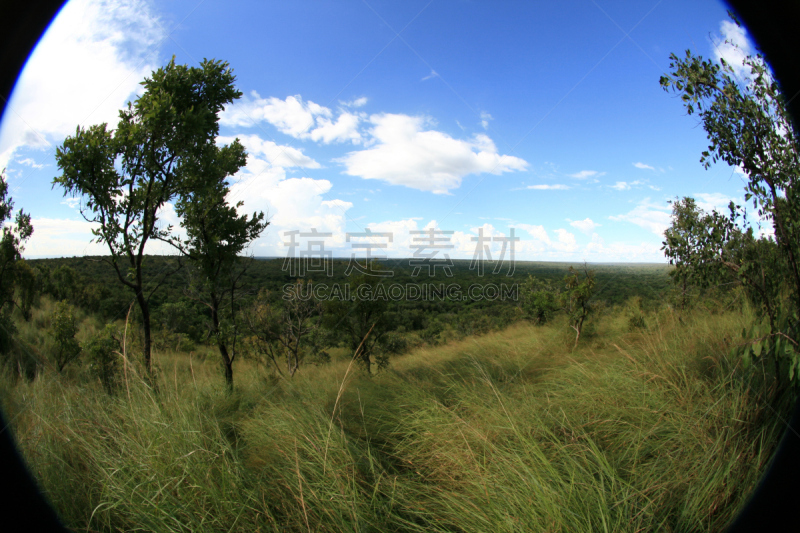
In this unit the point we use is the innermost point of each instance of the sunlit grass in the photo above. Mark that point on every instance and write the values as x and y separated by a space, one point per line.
654 428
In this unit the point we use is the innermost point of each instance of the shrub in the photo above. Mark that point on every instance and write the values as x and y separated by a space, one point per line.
64 328
102 352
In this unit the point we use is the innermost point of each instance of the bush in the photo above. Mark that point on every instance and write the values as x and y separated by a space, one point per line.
102 352
64 328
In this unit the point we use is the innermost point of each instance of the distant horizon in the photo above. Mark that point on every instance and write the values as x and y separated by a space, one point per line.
389 259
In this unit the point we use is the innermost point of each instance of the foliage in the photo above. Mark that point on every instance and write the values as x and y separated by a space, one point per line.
103 351
12 273
635 312
290 332
362 321
539 300
217 234
576 298
748 125
63 328
163 143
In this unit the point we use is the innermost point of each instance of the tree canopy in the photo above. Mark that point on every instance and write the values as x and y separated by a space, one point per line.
162 146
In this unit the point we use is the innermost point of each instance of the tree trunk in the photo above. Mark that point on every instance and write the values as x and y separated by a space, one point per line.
227 362
145 308
227 365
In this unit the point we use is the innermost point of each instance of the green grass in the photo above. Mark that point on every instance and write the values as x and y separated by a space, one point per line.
651 429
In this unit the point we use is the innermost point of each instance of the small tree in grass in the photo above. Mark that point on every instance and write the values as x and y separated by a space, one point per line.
539 300
576 298
102 352
290 333
64 328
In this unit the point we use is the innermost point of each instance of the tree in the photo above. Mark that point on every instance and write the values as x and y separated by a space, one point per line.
576 298
290 332
11 271
64 329
361 321
217 234
102 351
702 247
748 126
124 178
539 300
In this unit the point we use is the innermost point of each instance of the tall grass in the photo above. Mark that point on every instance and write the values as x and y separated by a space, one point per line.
651 429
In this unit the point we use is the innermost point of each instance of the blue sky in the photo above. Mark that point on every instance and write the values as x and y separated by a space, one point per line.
401 116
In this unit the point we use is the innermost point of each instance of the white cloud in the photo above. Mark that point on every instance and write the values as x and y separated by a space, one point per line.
87 65
294 117
655 218
344 129
714 201
537 232
643 166
586 225
274 154
404 153
733 47
557 187
485 118
30 163
566 238
62 238
358 102
291 204
620 186
583 174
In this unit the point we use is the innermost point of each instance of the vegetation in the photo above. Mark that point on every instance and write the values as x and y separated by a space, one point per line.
12 272
658 428
457 411
748 126
163 148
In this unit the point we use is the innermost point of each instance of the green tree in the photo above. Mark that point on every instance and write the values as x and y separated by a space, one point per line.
124 178
748 126
362 321
63 329
102 353
217 234
290 332
539 299
576 298
11 271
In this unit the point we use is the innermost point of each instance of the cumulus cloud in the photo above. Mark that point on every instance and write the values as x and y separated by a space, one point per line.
556 187
621 186
586 225
643 166
274 154
87 65
294 117
62 238
405 153
583 174
655 218
291 204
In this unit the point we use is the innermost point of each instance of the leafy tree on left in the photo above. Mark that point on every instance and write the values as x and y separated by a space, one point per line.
161 146
12 271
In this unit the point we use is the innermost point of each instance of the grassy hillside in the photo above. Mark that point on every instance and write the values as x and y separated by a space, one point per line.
638 429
